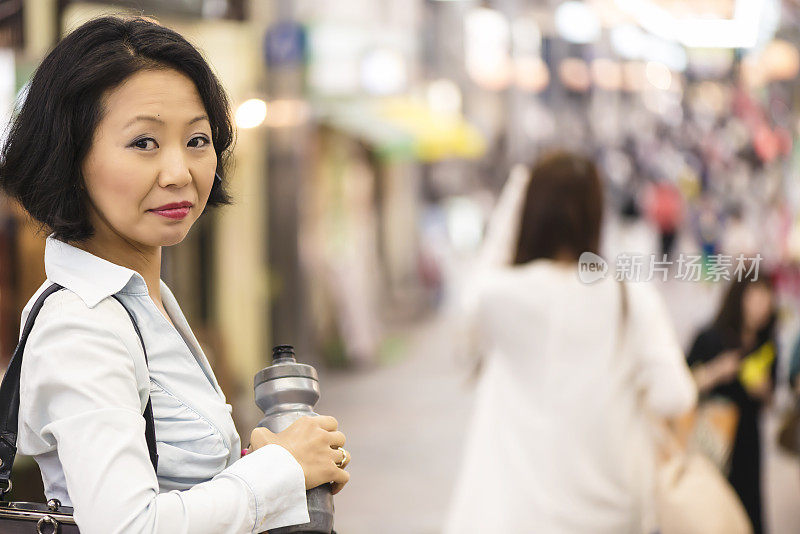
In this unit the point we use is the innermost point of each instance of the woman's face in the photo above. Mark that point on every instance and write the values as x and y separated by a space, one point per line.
151 147
756 306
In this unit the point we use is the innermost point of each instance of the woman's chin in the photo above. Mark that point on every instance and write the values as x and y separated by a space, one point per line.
174 239
166 237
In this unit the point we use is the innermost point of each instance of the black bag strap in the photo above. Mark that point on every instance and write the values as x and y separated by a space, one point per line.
9 396
149 422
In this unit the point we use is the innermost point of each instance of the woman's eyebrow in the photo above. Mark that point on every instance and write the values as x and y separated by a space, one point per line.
156 119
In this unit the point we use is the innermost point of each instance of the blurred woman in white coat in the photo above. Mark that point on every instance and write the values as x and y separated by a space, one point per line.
559 441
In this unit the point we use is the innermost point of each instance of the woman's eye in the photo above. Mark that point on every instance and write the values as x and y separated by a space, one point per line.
143 143
201 138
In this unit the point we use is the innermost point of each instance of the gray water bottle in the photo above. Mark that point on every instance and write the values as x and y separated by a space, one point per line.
287 391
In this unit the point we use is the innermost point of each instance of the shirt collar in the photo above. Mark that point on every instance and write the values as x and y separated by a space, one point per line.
91 277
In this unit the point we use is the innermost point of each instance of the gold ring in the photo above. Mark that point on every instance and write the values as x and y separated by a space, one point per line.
345 459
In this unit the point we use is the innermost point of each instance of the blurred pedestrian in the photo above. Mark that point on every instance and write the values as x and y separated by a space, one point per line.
734 358
559 440
664 208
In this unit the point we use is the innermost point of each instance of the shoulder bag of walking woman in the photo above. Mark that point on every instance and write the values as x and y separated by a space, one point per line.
29 517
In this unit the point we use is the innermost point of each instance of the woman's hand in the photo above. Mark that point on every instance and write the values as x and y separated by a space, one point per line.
720 369
314 442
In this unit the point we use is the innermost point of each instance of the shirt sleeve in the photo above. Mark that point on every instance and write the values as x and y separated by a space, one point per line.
79 395
661 370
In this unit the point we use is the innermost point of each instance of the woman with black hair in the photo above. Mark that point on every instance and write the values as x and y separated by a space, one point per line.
735 358
119 147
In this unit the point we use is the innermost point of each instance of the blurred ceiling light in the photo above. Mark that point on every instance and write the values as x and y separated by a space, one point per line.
780 60
383 72
607 74
531 74
741 31
489 21
669 53
577 22
658 75
287 113
444 97
628 41
487 46
574 74
251 113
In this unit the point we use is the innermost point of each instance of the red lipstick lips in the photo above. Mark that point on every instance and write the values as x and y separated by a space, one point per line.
174 210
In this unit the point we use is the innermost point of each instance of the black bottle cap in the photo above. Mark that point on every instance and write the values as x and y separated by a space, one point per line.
288 367
283 352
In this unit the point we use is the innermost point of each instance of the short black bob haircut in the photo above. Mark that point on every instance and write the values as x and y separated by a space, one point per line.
50 136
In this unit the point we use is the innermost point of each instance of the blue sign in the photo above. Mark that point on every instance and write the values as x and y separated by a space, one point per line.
285 44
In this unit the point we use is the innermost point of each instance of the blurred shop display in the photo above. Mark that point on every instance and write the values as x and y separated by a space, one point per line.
361 217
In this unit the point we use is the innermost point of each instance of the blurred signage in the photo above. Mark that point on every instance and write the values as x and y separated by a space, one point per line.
285 44
707 23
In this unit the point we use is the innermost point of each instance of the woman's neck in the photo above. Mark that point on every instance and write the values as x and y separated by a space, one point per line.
143 259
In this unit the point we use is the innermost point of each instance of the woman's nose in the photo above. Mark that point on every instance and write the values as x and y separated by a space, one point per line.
175 171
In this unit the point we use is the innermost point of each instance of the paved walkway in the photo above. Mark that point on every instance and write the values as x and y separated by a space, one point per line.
405 424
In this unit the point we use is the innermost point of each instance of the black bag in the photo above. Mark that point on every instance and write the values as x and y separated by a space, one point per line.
27 517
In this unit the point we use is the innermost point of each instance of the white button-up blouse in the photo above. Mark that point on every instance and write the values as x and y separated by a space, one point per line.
83 388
